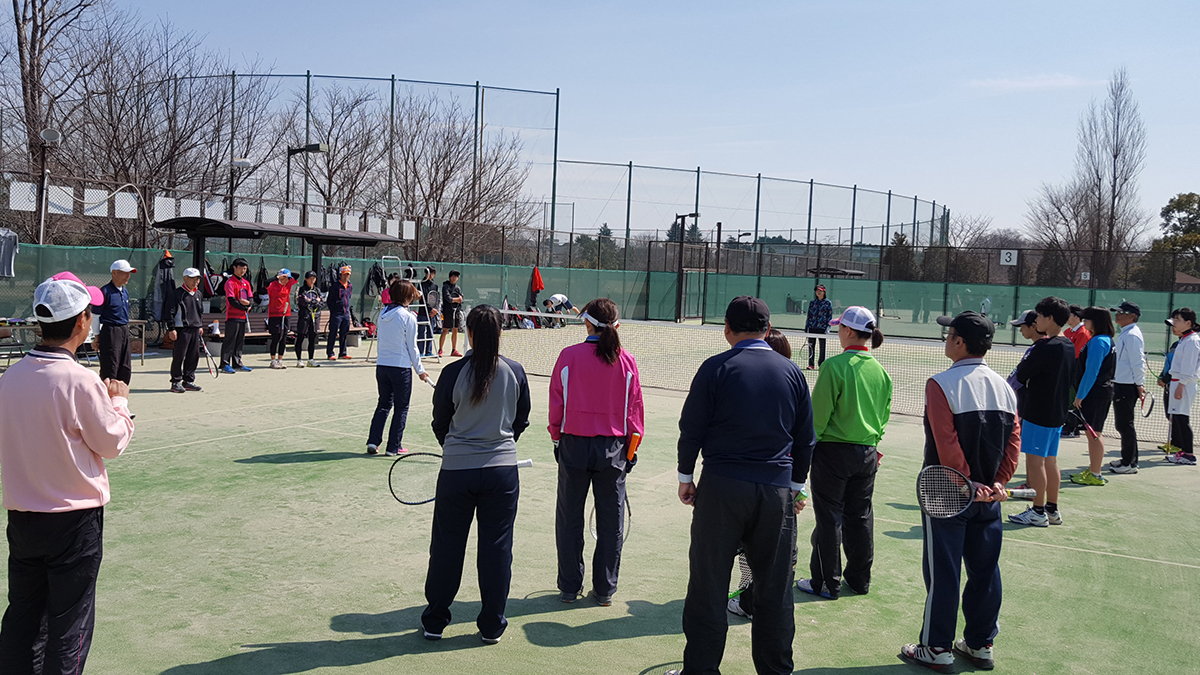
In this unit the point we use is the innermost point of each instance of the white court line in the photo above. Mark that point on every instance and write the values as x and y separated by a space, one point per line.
1068 548
248 433
288 402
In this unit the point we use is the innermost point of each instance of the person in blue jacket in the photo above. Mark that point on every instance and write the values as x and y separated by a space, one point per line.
1094 394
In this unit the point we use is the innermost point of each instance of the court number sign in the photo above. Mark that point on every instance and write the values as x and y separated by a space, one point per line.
1008 257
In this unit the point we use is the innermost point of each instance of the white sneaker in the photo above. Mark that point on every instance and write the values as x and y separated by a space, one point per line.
1029 517
280 362
1121 468
735 607
299 363
1054 518
313 364
980 658
937 660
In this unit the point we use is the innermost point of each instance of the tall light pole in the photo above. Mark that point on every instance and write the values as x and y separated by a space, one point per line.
235 166
50 139
311 147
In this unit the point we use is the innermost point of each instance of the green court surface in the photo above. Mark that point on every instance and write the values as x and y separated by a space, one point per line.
248 533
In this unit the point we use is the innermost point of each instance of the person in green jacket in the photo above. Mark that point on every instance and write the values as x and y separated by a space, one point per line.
852 402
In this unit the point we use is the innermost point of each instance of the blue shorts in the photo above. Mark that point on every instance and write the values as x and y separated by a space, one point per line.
1039 440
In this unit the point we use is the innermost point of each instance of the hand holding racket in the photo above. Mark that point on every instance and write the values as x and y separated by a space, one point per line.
944 492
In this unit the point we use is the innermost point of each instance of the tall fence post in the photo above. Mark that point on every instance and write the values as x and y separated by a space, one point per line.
628 212
916 230
391 145
932 219
853 211
757 202
554 178
808 237
887 232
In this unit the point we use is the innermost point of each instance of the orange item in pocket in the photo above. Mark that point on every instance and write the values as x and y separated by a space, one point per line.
635 440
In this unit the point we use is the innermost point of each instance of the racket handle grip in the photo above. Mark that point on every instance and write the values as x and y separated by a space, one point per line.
524 463
431 383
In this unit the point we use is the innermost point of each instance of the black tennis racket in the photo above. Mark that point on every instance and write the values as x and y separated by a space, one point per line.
208 357
1147 410
413 477
745 577
628 525
943 492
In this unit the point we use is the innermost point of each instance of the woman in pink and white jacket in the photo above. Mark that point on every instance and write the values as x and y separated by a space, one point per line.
595 412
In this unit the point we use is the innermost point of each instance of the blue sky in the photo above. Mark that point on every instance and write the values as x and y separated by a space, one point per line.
972 104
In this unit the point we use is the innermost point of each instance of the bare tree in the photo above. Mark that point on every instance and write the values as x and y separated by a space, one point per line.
1098 208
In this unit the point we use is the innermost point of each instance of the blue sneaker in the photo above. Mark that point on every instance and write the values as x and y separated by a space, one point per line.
228 370
245 369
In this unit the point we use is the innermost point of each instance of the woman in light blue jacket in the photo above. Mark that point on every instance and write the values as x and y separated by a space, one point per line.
398 357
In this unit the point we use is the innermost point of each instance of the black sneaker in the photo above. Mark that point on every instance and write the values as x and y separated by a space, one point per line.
372 450
188 386
176 388
602 600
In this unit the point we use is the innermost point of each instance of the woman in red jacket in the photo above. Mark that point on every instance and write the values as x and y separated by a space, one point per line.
595 410
279 308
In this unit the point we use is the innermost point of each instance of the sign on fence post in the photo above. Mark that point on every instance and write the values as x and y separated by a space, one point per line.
1008 257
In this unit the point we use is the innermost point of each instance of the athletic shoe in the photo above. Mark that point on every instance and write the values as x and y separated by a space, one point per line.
176 388
439 353
280 362
812 367
372 449
980 658
1029 517
331 357
228 370
401 451
275 365
806 586
1180 458
313 364
1118 467
490 640
735 607
937 660
602 600
299 363
1054 518
432 636
1086 477
246 369
455 353
345 357
568 598
188 386
1070 434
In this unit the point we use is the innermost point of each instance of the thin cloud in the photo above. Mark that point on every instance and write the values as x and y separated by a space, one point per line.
1016 85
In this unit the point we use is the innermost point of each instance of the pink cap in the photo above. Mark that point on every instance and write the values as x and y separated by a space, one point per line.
97 296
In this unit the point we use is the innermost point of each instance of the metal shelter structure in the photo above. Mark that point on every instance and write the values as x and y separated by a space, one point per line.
199 229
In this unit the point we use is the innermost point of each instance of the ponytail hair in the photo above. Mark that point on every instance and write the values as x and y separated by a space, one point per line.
875 335
483 321
604 311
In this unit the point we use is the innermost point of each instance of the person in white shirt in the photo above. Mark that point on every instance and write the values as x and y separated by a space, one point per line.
1185 371
1129 383
558 303
398 357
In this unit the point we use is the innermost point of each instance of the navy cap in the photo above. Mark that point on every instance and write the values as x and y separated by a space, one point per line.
1127 308
969 325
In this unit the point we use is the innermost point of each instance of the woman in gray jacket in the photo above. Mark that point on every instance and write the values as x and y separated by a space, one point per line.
480 407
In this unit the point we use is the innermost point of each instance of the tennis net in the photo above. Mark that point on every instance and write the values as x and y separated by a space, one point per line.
668 355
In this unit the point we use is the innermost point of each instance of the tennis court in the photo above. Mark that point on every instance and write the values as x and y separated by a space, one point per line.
248 533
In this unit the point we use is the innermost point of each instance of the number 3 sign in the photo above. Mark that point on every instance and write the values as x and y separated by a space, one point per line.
1008 257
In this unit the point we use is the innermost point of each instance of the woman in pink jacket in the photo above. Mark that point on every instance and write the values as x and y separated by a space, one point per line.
595 409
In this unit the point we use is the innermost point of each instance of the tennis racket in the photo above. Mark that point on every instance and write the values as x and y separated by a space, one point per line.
943 492
1079 415
312 300
208 357
1147 410
624 531
745 577
415 481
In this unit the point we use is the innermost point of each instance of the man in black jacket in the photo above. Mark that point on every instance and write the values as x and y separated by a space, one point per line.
749 413
183 313
452 299
427 311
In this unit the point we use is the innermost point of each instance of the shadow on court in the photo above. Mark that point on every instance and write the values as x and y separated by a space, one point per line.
643 619
904 507
913 533
301 457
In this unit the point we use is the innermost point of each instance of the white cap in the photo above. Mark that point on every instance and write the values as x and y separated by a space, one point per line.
121 266
62 298
858 318
191 272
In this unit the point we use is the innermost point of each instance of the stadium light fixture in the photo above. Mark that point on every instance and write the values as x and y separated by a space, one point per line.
311 147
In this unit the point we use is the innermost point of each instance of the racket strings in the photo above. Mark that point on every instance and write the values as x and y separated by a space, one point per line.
747 577
943 492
